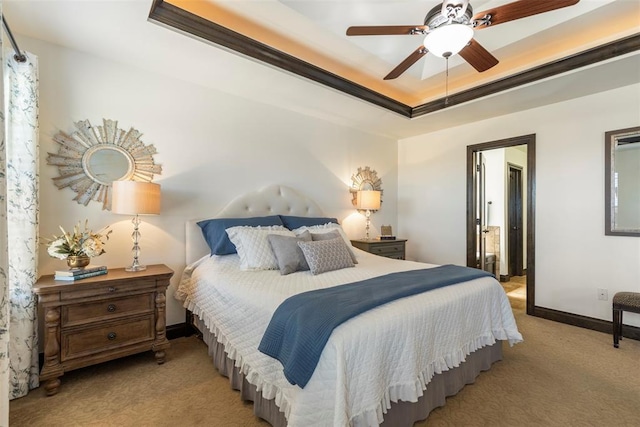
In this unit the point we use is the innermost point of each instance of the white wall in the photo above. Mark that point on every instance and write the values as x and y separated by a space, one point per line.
212 147
573 256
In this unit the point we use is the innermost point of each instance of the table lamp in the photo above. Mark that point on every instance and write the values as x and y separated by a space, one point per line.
368 200
135 198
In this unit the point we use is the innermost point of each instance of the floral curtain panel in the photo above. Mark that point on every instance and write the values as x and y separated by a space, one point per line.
20 184
4 266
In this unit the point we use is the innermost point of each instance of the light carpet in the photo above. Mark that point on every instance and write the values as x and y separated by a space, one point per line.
560 375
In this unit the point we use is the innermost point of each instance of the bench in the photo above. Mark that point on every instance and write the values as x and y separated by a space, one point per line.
623 301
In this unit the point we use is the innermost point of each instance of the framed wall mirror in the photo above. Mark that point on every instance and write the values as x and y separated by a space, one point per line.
365 179
92 157
622 182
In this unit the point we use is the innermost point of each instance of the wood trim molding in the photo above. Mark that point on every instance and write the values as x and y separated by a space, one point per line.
569 63
599 325
182 330
178 19
178 330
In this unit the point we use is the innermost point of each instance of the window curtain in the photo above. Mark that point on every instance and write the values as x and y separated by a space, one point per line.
4 265
19 225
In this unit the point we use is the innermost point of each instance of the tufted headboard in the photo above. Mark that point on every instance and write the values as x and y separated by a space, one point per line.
271 200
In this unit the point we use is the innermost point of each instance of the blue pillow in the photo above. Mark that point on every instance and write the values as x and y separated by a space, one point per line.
214 232
293 222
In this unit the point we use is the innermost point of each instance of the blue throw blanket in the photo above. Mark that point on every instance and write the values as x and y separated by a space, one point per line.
302 324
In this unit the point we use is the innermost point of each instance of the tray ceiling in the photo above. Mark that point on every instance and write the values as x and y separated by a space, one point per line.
308 38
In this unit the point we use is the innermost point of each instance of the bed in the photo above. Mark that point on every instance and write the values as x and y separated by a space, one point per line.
390 365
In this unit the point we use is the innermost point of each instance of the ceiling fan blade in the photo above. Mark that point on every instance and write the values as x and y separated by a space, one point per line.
387 30
404 65
520 9
478 57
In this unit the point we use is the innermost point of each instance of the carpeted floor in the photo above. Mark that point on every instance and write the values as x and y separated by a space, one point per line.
560 376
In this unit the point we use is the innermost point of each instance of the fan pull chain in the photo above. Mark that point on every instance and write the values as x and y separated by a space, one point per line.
446 84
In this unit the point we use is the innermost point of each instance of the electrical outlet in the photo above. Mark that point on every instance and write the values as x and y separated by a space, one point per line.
603 295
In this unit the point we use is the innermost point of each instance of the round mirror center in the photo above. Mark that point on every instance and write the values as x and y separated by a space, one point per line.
367 186
105 164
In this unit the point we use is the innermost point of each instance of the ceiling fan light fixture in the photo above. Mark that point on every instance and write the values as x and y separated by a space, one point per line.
448 40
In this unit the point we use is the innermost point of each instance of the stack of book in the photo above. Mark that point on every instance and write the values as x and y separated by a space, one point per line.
80 273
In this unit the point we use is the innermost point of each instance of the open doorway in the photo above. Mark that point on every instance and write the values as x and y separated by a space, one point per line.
500 214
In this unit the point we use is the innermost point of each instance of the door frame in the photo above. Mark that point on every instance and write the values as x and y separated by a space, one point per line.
530 142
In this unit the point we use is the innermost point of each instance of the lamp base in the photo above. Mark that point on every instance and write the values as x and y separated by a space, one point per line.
135 236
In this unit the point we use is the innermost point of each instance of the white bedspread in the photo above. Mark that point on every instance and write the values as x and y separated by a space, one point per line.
384 355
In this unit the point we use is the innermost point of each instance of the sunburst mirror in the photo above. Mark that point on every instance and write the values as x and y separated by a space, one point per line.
364 179
92 157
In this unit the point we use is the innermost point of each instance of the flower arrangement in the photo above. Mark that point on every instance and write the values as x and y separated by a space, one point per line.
79 243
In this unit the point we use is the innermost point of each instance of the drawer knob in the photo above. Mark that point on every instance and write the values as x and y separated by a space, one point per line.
112 289
111 336
111 308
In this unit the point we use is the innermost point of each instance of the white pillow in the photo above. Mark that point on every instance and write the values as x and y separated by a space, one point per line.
328 228
253 246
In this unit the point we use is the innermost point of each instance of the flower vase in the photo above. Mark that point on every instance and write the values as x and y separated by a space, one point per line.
78 261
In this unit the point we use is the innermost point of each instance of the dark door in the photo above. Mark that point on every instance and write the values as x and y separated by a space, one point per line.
515 222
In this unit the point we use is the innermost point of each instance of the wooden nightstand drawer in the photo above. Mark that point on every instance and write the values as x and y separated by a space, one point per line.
79 314
386 248
114 335
87 288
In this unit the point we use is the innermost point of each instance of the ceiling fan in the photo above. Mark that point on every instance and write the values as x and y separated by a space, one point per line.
449 29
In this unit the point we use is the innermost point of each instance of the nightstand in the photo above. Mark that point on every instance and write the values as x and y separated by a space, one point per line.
387 248
101 318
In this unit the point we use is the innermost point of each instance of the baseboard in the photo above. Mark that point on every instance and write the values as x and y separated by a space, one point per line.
177 331
633 332
506 277
184 330
599 325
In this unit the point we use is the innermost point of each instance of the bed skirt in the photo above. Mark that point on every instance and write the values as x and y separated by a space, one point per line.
401 413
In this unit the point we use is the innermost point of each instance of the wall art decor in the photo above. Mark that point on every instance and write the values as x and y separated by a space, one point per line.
92 157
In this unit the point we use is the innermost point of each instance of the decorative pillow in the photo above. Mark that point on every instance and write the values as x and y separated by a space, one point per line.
214 232
253 246
293 222
287 252
324 236
326 255
317 230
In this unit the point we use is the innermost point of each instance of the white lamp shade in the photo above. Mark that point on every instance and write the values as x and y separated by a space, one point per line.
368 199
135 198
448 40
